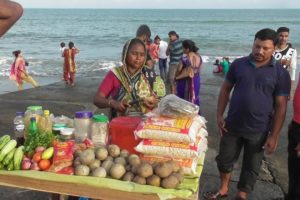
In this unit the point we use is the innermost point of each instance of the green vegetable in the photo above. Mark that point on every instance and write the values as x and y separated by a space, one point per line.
18 156
10 166
4 140
7 148
40 139
9 157
1 166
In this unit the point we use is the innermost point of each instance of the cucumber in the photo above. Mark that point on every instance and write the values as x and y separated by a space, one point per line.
7 148
18 157
4 140
9 157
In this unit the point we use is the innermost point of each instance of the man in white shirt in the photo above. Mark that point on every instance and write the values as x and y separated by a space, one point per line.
286 55
162 57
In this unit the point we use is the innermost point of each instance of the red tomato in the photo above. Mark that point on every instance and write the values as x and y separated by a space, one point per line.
44 164
37 156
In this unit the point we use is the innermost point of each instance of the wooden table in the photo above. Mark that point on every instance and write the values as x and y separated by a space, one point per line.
76 189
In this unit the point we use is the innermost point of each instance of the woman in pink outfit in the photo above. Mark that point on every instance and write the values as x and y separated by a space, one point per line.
18 71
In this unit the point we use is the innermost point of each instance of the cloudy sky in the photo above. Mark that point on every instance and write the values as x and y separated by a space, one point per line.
161 4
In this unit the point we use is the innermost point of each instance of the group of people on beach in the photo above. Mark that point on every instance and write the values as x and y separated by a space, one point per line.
69 66
261 85
135 86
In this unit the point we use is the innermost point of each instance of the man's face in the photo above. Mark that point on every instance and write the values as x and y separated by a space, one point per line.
172 38
262 50
283 37
157 41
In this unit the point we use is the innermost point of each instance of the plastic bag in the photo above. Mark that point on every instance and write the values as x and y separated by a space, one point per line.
173 106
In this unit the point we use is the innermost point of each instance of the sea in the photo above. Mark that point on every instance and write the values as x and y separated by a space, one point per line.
101 33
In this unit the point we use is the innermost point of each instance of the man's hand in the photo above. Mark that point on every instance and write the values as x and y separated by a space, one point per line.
270 144
298 150
222 125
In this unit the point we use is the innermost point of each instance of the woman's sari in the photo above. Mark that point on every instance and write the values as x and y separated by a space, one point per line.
189 88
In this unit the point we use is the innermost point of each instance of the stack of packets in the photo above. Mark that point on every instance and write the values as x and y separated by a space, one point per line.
182 139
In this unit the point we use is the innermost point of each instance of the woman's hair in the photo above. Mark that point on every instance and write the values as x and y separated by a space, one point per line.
16 53
189 44
129 45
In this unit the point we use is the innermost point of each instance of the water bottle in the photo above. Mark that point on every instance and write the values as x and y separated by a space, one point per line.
33 130
19 128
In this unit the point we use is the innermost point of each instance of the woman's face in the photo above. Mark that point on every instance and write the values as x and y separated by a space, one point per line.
186 50
136 55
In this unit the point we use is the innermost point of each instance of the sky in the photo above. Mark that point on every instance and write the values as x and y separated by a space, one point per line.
163 4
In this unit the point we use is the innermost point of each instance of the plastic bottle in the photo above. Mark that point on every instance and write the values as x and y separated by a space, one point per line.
45 123
19 128
33 129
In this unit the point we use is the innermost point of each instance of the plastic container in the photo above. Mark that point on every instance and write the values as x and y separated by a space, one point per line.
67 134
56 128
45 123
98 131
82 123
32 111
121 131
19 128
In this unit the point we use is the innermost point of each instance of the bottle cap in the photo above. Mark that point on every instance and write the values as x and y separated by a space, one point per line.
67 131
58 127
34 108
100 118
46 112
83 114
32 119
20 113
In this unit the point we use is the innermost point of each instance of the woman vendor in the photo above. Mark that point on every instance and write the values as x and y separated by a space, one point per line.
125 89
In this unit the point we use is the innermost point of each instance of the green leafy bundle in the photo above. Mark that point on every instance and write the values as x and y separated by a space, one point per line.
38 140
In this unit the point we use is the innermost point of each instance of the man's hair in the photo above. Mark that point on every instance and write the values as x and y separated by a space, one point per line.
283 29
143 30
267 34
157 37
71 45
62 44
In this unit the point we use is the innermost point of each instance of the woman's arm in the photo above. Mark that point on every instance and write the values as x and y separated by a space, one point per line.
10 12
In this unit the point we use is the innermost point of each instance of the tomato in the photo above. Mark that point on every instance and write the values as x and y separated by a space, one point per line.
37 156
44 164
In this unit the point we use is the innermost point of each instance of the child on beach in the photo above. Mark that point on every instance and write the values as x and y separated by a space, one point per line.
18 71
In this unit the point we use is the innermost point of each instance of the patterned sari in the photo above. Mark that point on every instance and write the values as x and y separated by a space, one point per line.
189 88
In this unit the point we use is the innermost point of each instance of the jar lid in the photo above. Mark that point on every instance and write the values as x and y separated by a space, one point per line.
83 114
20 113
58 127
46 112
34 108
67 131
100 118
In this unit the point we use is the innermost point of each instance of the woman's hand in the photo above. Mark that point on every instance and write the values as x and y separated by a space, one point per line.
120 106
150 102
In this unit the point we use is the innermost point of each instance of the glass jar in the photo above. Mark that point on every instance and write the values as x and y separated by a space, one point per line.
66 134
98 131
81 124
57 128
32 111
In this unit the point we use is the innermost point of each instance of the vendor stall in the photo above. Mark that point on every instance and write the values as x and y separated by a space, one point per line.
99 188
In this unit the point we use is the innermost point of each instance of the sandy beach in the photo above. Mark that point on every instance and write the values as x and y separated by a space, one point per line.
61 99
